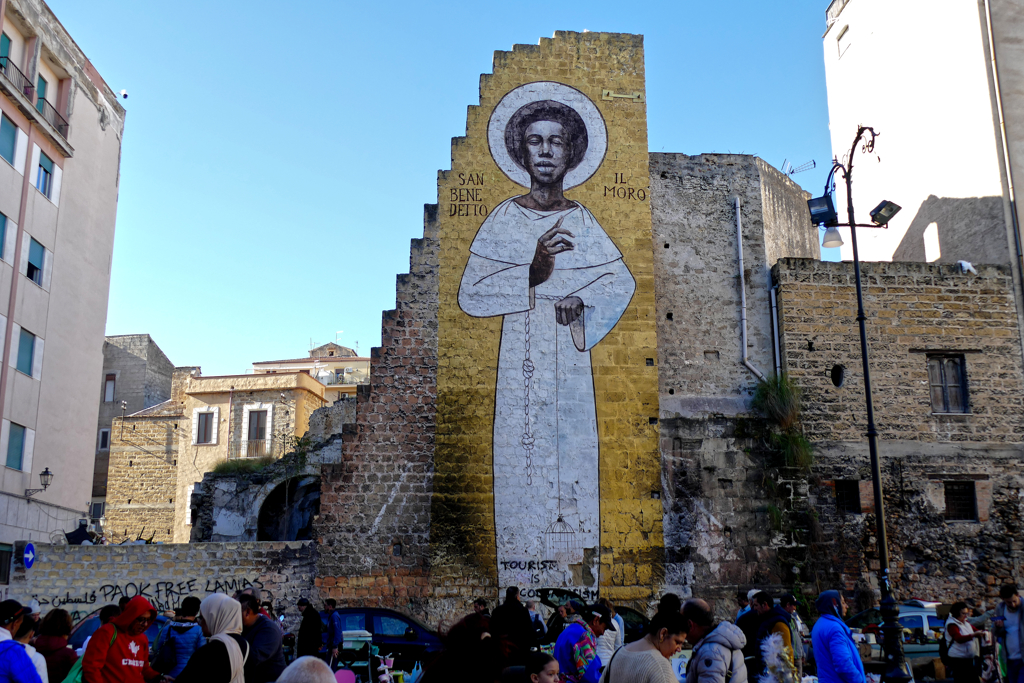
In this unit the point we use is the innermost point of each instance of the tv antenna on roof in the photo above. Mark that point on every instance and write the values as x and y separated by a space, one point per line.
789 169
337 335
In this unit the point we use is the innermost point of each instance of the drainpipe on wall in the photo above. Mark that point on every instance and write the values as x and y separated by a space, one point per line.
773 291
1006 147
743 294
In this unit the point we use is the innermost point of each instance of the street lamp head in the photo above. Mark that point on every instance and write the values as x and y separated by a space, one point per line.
46 478
823 211
882 213
832 238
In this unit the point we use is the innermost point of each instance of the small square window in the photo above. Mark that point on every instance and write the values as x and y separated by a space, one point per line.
26 351
8 140
204 433
961 502
947 381
16 446
108 388
44 175
36 257
848 496
104 439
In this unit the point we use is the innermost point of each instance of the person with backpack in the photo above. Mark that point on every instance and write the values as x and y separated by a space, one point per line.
15 664
962 650
222 659
119 651
179 640
717 650
835 653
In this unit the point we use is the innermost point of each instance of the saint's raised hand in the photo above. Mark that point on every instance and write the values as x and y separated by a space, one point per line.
554 241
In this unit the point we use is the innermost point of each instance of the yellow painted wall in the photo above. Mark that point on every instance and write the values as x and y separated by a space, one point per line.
626 387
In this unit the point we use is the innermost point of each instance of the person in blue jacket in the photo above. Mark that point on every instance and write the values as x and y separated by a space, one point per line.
184 635
15 664
835 652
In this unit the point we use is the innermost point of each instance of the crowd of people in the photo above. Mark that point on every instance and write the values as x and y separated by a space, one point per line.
224 639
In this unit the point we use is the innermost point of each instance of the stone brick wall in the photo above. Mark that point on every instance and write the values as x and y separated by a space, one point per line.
81 579
374 528
327 421
912 309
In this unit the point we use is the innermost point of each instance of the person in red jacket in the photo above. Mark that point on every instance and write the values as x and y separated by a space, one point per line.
119 651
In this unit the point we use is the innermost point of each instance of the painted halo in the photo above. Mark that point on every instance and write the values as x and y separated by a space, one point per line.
518 98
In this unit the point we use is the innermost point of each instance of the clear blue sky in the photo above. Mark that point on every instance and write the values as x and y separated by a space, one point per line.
277 156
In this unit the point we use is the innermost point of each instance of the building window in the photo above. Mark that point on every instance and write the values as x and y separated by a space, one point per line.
44 175
96 510
108 388
843 41
848 495
41 92
948 383
5 47
8 140
36 256
204 433
104 439
6 557
16 447
3 234
961 502
26 351
257 425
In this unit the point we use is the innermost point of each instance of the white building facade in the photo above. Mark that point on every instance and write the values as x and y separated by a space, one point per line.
60 145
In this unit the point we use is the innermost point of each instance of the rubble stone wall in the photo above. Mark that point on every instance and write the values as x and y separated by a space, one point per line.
81 579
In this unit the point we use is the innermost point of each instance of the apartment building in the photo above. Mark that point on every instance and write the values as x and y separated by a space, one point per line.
60 141
337 367
136 375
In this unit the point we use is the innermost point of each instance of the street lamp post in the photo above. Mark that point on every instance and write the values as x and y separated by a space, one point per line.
896 670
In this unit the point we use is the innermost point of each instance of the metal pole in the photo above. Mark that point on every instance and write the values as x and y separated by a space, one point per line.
896 670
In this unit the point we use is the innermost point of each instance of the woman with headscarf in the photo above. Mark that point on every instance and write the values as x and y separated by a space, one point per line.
118 651
222 658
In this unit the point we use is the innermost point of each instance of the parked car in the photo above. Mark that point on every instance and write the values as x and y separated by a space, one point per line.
636 622
90 623
393 633
922 627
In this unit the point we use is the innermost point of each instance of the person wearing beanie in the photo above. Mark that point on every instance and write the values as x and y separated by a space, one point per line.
15 664
118 652
835 652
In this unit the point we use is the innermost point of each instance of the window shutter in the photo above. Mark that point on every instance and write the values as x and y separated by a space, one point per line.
20 152
25 240
32 168
269 434
55 192
30 442
15 337
216 422
5 46
47 268
37 359
195 426
10 241
8 139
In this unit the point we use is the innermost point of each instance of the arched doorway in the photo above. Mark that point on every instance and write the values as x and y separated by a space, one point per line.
288 511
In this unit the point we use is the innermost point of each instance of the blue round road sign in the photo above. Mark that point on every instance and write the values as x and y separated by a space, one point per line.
30 555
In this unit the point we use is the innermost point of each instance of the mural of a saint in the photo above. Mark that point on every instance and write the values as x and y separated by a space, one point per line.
545 264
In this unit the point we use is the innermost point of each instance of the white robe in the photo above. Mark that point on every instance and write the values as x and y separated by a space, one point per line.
553 407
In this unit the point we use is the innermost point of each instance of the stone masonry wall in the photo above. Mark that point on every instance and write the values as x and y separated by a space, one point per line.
81 579
913 309
374 526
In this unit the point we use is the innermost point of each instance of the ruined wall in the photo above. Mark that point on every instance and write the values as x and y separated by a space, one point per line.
912 309
718 537
374 526
81 579
328 421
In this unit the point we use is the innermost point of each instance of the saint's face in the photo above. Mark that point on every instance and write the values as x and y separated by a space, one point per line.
546 152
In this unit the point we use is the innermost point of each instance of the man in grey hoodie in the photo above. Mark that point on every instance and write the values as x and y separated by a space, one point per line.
717 650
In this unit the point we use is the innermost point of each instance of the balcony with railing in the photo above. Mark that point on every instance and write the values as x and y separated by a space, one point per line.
53 117
832 13
18 80
253 448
